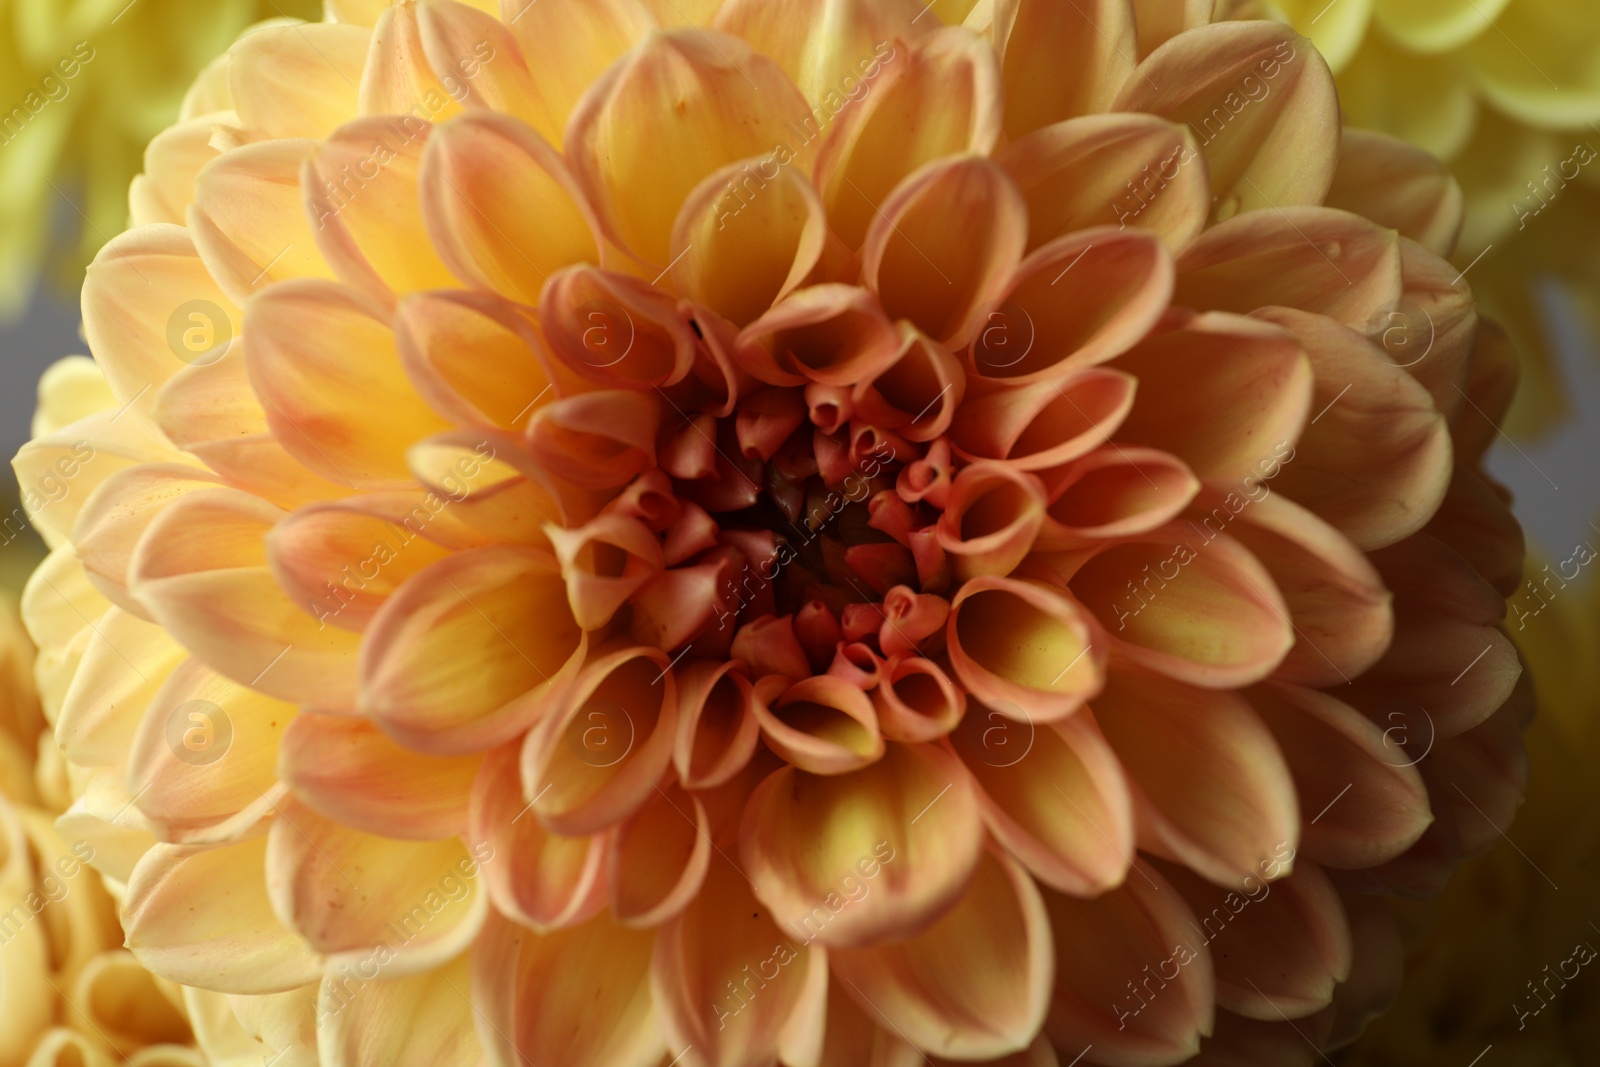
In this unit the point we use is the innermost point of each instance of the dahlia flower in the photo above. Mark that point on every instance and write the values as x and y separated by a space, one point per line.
1508 93
83 88
821 533
69 992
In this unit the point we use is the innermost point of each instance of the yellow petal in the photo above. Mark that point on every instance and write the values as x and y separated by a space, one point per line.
566 55
420 1020
1550 79
1060 62
1430 101
297 80
1338 31
398 79
473 357
125 661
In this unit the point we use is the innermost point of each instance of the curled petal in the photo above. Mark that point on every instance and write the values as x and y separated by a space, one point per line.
918 395
678 107
477 164
1114 492
909 619
1130 169
604 562
1076 301
944 245
991 520
717 728
487 484
1211 787
599 440
1044 424
347 770
539 879
1370 801
821 724
679 603
834 334
1053 794
768 645
616 330
577 995
937 96
659 858
598 751
462 657
1262 102
974 984
747 236
1024 648
916 700
201 916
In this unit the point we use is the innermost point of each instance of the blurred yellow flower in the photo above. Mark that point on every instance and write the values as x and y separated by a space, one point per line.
1508 93
83 88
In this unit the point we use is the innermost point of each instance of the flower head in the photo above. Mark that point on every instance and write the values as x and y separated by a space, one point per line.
781 531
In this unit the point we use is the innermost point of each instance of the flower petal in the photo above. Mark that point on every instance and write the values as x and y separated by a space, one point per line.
566 55
1044 424
125 661
658 858
1060 62
1398 185
420 1020
1114 492
297 80
1022 645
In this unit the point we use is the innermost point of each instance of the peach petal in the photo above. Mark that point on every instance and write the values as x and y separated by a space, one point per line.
323 360
615 329
1159 21
1223 393
918 395
1376 464
821 724
360 188
347 770
397 78
1096 170
658 859
488 483
1114 492
1398 185
1432 332
1029 776
132 335
1211 787
201 571
1491 761
991 520
1337 754
691 533
937 96
1172 623
1023 645
834 334
469 650
1279 955
679 603
910 619
766 419
1341 611
601 747
744 239
296 80
768 645
1059 62
604 562
470 48
173 157
346 891
854 662
539 879
927 478
124 662
599 440
576 995
725 984
116 515
826 49
1111 946
1274 150
1076 301
202 765
249 221
678 107
421 1020
201 916
974 984
1044 424
1491 383
475 165
1311 258
1475 520
944 244
566 55
340 561
916 700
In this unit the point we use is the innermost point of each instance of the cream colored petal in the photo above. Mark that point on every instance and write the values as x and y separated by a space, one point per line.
249 220
1537 64
210 92
201 916
173 157
125 661
1400 186
398 79
420 1020
201 571
476 167
975 984
297 80
847 861
1261 102
580 995
71 388
678 107
323 360
1061 62
121 1002
58 604
1211 788
462 657
566 55
1430 101
348 892
105 818
347 770
937 96
1129 169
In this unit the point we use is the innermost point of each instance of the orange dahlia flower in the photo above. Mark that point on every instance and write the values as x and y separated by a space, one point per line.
823 533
